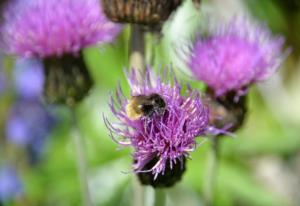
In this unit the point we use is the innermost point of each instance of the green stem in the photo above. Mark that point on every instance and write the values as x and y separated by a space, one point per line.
81 160
137 61
160 197
212 172
138 193
137 50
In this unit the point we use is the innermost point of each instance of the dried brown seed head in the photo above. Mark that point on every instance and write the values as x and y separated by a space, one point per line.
145 12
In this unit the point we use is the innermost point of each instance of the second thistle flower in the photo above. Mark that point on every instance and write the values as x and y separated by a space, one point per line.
229 59
235 55
163 139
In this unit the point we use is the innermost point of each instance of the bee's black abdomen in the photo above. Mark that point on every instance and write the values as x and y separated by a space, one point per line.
148 110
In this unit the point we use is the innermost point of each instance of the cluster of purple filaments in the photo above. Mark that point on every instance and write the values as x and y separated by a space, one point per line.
168 137
235 55
51 28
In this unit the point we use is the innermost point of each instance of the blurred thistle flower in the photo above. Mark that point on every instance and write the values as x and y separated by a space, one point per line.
28 78
235 55
39 28
28 125
10 184
161 142
57 33
229 59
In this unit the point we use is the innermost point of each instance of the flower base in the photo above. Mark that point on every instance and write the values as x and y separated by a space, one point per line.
67 79
168 179
227 111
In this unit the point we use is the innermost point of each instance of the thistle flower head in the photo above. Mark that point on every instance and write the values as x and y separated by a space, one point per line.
52 28
235 55
169 137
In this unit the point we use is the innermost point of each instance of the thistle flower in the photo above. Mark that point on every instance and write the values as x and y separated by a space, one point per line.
235 55
161 142
10 184
39 28
57 32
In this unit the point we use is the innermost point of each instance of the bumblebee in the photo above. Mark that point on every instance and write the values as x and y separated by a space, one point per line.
145 105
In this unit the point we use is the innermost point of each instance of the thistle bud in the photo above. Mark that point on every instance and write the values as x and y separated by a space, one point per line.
149 12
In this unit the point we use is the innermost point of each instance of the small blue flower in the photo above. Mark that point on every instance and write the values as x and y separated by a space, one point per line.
2 82
2 76
10 184
29 78
28 125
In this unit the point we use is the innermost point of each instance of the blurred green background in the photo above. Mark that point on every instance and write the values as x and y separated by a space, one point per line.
260 166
